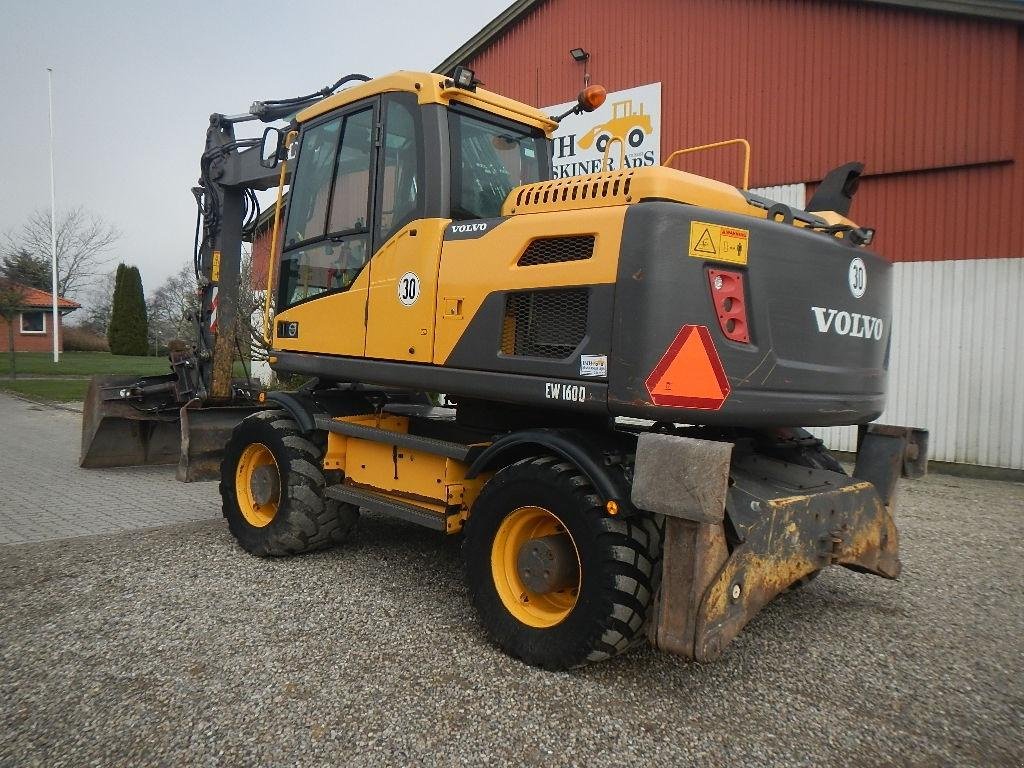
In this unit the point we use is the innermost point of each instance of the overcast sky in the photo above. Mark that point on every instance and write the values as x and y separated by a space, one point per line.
135 83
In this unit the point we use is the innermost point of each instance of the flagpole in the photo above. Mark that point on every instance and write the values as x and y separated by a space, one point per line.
53 228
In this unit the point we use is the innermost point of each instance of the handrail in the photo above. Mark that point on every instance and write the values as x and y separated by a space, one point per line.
272 258
727 142
608 148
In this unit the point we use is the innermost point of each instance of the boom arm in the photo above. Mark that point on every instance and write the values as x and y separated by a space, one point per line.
230 171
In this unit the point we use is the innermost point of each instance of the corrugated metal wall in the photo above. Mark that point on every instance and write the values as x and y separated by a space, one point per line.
793 195
811 84
957 365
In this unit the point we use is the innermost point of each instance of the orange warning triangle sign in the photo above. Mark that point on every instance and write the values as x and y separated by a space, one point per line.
689 374
705 244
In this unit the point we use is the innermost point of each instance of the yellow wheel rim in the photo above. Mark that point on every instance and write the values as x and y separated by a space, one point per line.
258 485
531 608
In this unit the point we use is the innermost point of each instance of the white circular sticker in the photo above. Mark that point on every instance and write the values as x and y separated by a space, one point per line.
858 277
408 288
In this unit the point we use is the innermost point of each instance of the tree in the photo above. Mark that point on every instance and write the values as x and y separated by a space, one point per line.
23 267
129 327
98 304
12 299
173 304
84 241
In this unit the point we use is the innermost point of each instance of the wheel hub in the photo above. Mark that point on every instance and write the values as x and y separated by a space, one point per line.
264 484
548 564
536 567
258 485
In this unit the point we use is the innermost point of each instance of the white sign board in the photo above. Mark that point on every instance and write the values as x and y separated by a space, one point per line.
629 120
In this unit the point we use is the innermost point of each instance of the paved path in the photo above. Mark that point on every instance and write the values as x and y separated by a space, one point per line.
45 495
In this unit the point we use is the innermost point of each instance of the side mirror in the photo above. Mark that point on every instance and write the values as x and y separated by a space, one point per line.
270 149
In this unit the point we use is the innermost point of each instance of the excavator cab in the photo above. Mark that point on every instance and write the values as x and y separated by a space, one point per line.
378 181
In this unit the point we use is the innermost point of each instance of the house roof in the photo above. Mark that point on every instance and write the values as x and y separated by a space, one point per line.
41 299
1007 10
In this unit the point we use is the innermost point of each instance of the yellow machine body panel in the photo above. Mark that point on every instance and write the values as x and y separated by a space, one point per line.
613 188
333 324
472 269
403 293
434 483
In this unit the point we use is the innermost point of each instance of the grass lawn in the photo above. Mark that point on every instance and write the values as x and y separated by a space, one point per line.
83 364
62 391
77 364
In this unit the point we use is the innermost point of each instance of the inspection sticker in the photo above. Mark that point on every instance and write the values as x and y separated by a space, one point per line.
714 242
593 365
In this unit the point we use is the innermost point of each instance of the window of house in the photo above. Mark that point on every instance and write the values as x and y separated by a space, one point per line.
33 322
489 160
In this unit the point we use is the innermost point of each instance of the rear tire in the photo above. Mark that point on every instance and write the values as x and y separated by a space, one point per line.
296 518
618 559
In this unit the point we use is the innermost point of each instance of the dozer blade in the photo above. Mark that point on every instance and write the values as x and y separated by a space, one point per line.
740 529
204 433
117 434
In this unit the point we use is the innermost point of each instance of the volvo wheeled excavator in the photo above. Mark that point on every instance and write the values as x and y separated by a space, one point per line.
627 361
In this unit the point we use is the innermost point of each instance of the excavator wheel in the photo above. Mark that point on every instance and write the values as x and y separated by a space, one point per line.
272 489
556 580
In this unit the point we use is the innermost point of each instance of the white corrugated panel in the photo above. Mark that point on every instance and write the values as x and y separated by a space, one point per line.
957 360
793 195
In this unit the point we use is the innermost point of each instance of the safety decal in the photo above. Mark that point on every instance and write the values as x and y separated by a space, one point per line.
689 374
714 242
593 365
858 277
408 288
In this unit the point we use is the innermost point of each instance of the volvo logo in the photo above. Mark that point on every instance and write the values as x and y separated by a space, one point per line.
843 323
858 277
478 227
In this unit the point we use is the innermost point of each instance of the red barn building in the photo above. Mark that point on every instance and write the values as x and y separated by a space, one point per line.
928 94
33 325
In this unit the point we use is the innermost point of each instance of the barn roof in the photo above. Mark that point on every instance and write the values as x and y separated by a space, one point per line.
1007 10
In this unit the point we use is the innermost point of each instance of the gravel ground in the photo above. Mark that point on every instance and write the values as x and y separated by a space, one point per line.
172 646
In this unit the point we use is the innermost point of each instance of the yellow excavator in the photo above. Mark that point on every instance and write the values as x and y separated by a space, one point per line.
627 362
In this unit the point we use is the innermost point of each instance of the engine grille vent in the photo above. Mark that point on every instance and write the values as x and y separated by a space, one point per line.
545 323
599 189
552 250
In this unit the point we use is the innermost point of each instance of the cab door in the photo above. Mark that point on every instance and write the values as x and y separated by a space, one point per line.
328 237
403 272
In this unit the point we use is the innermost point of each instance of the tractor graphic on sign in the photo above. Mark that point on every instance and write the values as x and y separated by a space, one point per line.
626 125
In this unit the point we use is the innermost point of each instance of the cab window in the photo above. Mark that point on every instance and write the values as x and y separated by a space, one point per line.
401 182
308 204
327 237
490 158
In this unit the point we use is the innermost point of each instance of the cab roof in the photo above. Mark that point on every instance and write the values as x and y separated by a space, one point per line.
431 88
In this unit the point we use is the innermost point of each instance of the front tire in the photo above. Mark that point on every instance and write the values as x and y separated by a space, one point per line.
272 489
600 609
